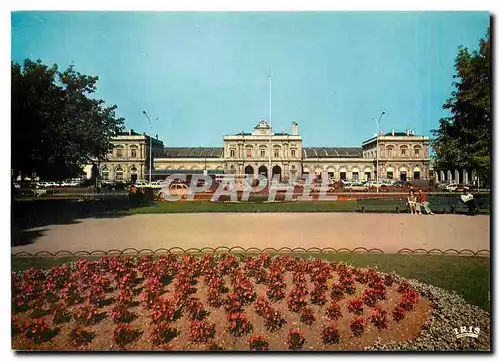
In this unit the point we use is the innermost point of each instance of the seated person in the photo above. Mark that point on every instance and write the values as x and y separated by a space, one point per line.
412 202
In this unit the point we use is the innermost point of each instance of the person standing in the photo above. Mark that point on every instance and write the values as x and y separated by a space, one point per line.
423 201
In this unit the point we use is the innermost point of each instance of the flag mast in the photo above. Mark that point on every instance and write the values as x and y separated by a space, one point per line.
270 171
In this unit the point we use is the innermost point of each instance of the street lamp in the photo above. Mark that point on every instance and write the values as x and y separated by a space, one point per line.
150 146
378 131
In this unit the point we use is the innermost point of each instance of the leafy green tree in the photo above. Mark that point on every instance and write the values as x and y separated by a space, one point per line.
57 126
463 140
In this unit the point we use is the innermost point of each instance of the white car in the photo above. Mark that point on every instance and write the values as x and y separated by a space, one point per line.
452 187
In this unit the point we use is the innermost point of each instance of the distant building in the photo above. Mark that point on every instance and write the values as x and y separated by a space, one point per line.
403 156
129 159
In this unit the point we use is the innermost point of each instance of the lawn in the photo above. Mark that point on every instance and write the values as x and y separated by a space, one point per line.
466 276
438 205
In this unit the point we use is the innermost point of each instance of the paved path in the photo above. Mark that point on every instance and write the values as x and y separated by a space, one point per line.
389 232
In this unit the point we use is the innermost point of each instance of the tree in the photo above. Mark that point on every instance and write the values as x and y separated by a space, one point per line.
463 140
57 126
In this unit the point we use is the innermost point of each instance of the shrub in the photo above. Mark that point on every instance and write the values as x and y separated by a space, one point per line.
232 304
333 311
85 315
408 299
244 290
124 334
398 313
120 313
337 291
36 330
163 311
379 318
214 298
195 309
295 339
262 306
79 336
330 335
162 333
239 325
404 286
370 297
318 295
357 326
296 300
355 306
201 331
274 320
60 313
307 316
388 280
258 343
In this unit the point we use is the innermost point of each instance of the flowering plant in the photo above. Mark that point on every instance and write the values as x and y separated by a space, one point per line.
239 325
330 335
357 326
295 339
258 343
201 331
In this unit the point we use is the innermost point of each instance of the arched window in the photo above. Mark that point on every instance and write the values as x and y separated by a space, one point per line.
416 151
119 174
105 174
390 151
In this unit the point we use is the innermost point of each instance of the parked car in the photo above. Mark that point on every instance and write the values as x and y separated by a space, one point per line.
356 187
452 187
461 188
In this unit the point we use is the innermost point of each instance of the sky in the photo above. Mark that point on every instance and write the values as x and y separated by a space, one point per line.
201 76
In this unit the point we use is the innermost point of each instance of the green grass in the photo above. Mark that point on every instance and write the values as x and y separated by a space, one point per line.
369 205
466 276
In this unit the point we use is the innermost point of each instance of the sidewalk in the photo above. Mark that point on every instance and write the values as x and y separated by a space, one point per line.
388 232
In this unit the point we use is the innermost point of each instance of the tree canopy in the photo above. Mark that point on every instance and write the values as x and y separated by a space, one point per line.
57 126
463 140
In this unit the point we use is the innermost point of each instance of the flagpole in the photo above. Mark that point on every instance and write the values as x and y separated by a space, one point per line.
270 172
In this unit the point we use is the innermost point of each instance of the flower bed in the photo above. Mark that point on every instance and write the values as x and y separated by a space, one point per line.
221 302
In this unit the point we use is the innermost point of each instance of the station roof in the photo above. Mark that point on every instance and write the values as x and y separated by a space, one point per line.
193 152
323 152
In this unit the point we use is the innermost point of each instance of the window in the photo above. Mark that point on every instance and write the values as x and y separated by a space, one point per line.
133 152
105 175
119 152
402 176
232 153
417 152
416 175
276 153
389 175
262 153
389 151
343 175
368 175
119 174
293 153
403 151
249 152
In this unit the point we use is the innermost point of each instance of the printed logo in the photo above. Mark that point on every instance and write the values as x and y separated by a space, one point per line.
467 332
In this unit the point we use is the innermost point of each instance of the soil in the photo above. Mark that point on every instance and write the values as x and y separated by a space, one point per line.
406 329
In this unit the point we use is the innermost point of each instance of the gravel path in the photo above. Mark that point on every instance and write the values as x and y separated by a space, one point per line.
388 232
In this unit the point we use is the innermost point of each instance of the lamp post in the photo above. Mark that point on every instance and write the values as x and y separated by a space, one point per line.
150 146
376 169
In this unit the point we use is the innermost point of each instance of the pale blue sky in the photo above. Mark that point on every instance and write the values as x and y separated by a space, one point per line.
204 74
